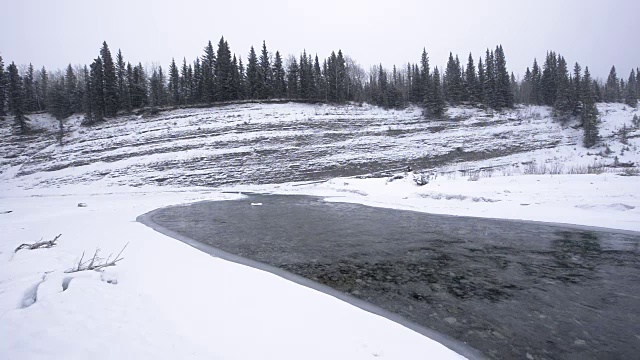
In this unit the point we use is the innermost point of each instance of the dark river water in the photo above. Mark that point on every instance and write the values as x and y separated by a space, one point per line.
512 290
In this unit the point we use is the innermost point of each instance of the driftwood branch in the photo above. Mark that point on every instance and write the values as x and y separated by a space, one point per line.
96 263
40 244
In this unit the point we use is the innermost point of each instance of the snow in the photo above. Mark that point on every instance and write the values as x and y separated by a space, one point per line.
165 300
605 200
168 300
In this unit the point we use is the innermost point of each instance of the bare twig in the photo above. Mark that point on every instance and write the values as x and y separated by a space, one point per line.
96 263
40 244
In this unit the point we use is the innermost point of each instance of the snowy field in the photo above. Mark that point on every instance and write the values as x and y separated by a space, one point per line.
167 300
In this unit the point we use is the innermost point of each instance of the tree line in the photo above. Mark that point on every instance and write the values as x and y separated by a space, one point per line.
109 86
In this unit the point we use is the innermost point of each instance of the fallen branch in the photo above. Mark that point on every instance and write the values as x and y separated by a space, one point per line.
96 263
39 244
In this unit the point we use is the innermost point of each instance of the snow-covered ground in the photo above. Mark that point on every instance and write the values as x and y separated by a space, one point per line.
165 300
172 301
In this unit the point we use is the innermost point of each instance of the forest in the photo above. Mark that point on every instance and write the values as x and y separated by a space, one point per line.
110 86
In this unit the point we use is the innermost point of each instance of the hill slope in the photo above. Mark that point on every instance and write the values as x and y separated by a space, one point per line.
275 143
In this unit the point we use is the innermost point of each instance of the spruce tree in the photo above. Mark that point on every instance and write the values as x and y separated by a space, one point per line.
254 80
472 81
97 90
208 77
589 114
244 87
305 76
174 82
279 81
577 89
236 80
525 88
198 82
293 73
453 86
548 82
318 79
87 98
612 87
29 90
536 84
341 78
110 82
185 81
490 82
503 90
482 80
72 102
121 78
563 103
130 87
3 89
16 98
265 82
423 86
224 90
631 97
434 103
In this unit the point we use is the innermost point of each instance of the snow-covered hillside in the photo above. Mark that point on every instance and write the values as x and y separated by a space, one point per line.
167 300
275 143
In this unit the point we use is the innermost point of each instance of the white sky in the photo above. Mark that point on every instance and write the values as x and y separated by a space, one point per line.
595 33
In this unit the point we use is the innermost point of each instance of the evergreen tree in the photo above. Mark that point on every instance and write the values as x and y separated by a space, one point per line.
185 83
110 82
341 78
490 82
434 103
482 80
265 81
86 100
58 99
121 78
319 80
563 103
631 97
162 88
549 76
29 90
453 87
130 87
174 83
589 111
472 81
73 101
279 82
612 87
208 77
236 80
305 76
97 97
503 91
293 73
423 86
224 73
42 87
536 84
244 87
3 89
198 82
577 89
597 91
525 88
253 76
16 98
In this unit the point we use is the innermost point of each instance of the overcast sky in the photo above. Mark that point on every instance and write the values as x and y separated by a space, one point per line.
594 33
